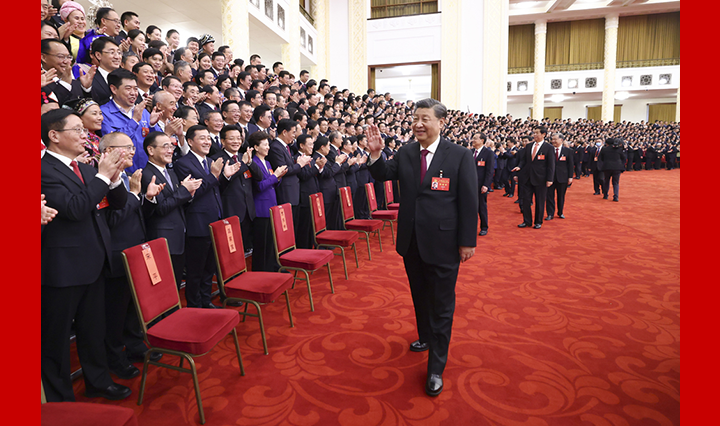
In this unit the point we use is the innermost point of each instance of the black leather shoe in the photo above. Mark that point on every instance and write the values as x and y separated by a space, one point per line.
114 392
523 225
490 190
561 216
483 232
517 201
615 199
155 356
597 193
211 306
235 303
605 197
549 218
416 346
127 373
434 385
537 226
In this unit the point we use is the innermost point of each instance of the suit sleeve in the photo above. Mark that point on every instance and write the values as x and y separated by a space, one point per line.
163 204
116 216
208 181
276 157
467 201
383 169
489 169
570 165
75 207
550 173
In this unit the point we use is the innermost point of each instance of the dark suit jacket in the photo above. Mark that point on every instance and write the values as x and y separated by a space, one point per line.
485 171
341 170
612 159
595 164
288 190
206 205
439 231
236 192
166 217
326 180
308 183
76 244
100 90
202 109
127 229
542 168
64 95
565 165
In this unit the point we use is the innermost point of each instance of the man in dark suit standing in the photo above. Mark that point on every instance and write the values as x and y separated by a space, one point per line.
288 190
166 217
484 159
206 207
596 166
539 160
564 169
433 241
107 53
236 191
127 229
75 249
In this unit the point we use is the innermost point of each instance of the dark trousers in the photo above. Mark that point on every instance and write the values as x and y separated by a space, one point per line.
433 293
638 164
560 189
59 306
540 192
615 175
246 230
524 196
304 228
199 268
122 328
360 204
586 168
578 169
178 262
333 219
510 186
598 177
263 257
482 210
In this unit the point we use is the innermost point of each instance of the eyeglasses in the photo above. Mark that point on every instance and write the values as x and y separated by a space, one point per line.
125 147
117 21
61 57
79 131
112 52
166 146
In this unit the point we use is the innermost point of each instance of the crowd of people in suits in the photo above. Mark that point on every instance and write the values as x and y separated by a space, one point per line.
143 139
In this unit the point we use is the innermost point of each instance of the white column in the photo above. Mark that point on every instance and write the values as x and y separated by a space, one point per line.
291 51
495 57
608 99
321 12
451 44
357 45
235 27
539 83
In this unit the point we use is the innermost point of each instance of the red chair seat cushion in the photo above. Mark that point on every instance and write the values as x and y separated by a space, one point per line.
306 258
367 225
337 238
385 214
193 330
85 414
394 206
262 287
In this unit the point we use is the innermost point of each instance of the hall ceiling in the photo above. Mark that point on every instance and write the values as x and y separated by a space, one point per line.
528 11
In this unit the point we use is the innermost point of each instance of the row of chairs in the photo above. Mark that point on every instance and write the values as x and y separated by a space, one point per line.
192 332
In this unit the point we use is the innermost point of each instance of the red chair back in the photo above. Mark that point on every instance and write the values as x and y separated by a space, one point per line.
282 225
229 251
152 300
346 203
317 207
388 192
372 201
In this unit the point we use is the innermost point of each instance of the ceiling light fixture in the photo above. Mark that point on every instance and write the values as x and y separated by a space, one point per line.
557 98
621 96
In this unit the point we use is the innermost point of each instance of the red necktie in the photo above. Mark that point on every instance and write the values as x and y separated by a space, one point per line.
423 164
557 153
535 150
76 169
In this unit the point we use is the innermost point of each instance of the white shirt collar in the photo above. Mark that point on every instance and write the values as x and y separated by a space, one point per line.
103 73
65 160
162 169
433 146
200 159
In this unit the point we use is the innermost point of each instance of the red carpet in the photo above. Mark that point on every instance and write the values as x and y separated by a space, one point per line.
575 323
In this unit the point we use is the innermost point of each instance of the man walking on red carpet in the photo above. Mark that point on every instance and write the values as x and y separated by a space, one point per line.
437 223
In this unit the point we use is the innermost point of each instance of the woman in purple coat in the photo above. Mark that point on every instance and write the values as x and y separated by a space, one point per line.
263 258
